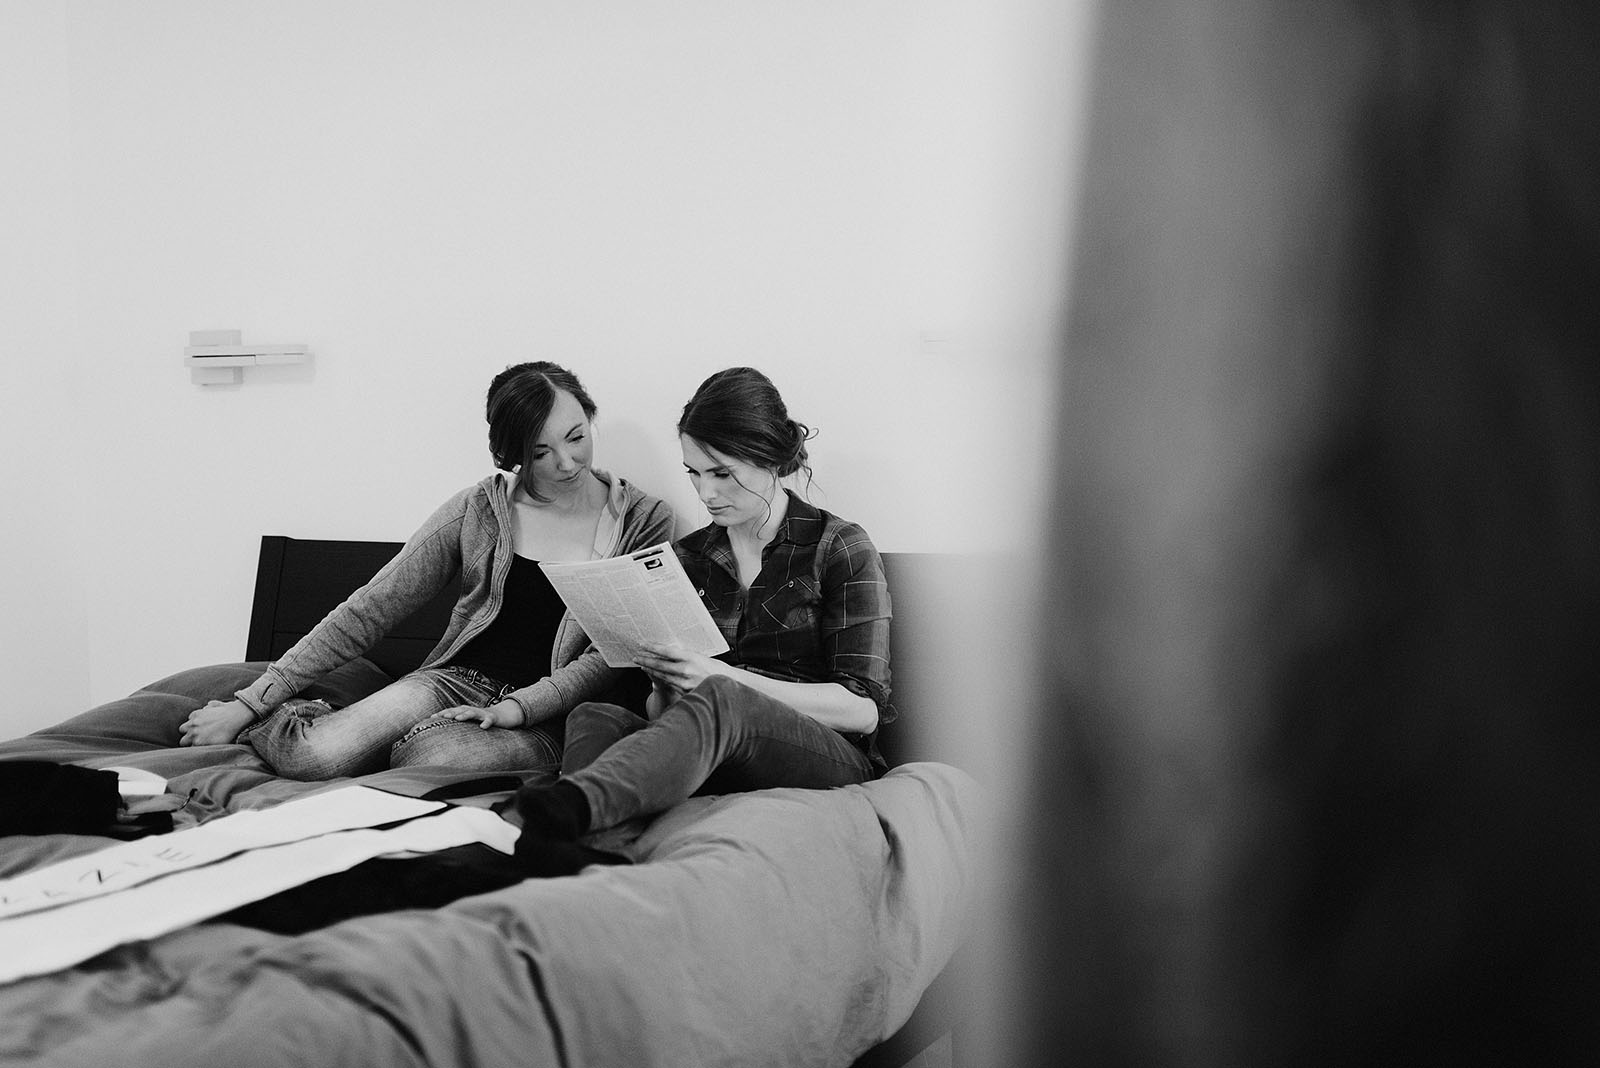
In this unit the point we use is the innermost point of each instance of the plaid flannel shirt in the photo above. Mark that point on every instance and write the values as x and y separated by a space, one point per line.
818 611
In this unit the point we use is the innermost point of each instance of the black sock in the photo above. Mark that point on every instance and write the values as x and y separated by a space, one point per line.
558 811
554 817
552 858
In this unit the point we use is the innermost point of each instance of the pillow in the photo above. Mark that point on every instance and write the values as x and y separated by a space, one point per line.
343 686
150 716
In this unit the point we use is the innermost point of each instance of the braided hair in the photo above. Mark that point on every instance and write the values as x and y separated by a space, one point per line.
739 413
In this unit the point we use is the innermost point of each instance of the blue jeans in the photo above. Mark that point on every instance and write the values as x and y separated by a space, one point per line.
722 735
399 726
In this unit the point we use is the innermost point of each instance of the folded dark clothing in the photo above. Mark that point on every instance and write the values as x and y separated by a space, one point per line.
382 884
39 797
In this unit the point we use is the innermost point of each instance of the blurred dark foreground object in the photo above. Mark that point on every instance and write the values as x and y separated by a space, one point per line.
1319 755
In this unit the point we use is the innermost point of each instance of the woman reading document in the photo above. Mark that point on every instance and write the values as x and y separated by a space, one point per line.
799 595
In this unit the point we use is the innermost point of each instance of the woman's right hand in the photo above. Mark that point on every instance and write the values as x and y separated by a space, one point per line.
217 723
505 713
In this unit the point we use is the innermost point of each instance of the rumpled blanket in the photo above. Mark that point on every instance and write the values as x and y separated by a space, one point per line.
780 927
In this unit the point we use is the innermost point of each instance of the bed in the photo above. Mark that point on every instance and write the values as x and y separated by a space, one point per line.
782 927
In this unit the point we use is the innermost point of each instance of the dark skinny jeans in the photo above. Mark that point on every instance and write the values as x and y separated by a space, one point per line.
722 735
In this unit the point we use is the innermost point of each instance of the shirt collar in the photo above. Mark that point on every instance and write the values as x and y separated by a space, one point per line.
802 525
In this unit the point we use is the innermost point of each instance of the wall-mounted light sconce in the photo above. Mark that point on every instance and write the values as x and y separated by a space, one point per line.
219 357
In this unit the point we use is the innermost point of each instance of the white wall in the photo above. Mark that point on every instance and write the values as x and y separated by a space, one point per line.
43 595
863 199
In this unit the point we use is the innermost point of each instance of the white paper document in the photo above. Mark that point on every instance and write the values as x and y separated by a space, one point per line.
58 937
645 597
136 782
126 865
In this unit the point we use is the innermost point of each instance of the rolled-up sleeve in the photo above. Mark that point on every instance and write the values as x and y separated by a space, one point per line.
856 611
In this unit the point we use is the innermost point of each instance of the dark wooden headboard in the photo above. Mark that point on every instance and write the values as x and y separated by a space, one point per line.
299 580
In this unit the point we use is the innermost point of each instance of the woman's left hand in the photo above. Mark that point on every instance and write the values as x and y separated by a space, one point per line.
674 667
505 713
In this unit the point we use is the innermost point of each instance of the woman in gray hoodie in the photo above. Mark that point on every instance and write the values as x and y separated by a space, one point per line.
495 691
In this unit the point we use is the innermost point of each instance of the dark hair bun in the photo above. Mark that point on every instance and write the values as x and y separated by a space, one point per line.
799 458
739 413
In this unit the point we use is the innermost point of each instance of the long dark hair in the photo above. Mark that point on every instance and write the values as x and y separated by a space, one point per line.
519 402
739 413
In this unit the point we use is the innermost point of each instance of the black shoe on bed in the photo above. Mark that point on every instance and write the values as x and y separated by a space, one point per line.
551 858
554 817
558 811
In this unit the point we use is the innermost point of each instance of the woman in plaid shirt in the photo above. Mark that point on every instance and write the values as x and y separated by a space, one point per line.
800 596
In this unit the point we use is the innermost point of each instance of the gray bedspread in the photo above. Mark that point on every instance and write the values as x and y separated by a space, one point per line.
781 927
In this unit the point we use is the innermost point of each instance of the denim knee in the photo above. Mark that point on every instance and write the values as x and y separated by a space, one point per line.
721 688
289 749
445 741
594 727
601 713
430 742
303 765
723 703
